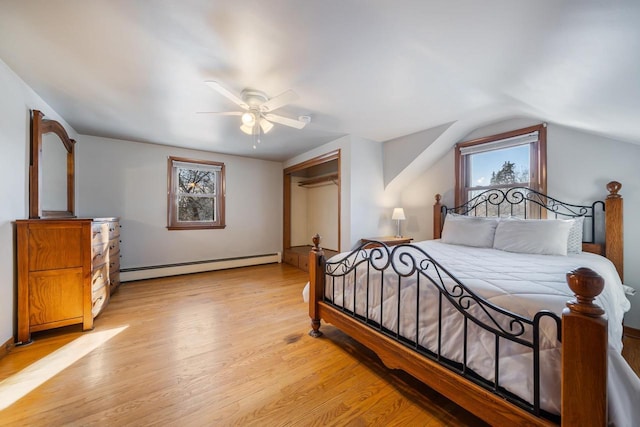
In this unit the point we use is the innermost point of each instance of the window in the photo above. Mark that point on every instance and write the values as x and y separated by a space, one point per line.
195 194
513 159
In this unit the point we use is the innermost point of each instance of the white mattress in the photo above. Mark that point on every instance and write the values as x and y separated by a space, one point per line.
520 283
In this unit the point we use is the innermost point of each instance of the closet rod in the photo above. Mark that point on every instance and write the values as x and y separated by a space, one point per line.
319 179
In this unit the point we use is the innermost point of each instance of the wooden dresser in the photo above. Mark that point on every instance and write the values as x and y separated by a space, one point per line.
67 269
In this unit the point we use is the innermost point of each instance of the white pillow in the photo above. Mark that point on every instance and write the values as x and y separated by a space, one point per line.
469 230
574 243
544 236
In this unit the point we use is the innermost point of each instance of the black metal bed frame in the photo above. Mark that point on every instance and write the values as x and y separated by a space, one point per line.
528 203
401 262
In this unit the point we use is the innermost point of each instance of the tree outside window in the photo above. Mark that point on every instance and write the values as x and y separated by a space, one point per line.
196 194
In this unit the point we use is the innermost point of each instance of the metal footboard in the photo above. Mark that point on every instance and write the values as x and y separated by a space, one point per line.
374 286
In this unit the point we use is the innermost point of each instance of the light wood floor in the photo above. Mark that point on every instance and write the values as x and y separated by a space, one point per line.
221 348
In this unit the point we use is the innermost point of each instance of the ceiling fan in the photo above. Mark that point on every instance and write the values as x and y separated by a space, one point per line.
256 115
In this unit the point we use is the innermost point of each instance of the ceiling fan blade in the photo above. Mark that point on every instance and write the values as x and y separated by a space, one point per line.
222 113
226 93
279 101
285 121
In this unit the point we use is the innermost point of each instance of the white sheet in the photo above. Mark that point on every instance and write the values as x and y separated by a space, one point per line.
521 283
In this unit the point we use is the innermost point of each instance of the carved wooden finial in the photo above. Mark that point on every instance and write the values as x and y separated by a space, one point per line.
438 197
613 187
316 242
586 284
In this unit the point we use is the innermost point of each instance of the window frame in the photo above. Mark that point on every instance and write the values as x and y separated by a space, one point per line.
172 195
537 161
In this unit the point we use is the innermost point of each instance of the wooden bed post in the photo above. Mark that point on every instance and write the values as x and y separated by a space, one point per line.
316 285
584 353
613 225
437 218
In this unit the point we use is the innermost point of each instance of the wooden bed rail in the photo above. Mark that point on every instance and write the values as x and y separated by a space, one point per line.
584 355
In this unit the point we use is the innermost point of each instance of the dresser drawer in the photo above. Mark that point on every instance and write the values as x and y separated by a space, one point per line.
99 298
114 229
114 245
99 233
55 295
98 255
99 277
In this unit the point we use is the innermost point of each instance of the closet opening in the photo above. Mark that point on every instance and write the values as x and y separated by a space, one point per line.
311 205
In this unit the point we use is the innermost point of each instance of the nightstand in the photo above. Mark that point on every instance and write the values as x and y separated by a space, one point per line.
387 240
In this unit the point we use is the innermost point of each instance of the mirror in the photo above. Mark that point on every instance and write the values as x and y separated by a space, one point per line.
51 172
53 192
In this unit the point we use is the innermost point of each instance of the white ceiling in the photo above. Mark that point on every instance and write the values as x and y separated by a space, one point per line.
378 69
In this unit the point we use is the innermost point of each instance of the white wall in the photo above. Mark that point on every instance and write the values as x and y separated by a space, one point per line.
419 197
370 210
16 101
578 167
402 151
129 180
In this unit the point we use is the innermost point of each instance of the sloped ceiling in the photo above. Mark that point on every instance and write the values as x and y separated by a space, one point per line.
378 69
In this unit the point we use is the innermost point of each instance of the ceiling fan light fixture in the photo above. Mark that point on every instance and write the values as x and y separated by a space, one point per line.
248 119
258 119
247 129
265 125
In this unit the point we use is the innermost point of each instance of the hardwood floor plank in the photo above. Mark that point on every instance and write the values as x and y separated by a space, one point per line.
221 348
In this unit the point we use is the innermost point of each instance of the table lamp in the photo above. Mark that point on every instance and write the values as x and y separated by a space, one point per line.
398 215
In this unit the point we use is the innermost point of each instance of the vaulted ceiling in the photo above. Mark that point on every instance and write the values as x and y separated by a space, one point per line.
378 69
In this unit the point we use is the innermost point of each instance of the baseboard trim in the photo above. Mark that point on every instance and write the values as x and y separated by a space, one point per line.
632 332
155 271
6 347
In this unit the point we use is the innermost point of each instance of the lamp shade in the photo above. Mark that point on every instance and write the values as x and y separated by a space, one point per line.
247 129
265 125
398 213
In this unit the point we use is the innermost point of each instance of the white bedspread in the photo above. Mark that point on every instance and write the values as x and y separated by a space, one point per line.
520 283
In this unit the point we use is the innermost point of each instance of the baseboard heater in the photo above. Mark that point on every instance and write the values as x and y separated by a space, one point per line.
154 271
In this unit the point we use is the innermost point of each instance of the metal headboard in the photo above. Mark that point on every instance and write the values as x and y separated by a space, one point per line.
526 203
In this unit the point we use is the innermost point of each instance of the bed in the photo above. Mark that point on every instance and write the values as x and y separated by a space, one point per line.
491 328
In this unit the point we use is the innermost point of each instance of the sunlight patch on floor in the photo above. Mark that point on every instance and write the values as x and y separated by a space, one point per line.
18 385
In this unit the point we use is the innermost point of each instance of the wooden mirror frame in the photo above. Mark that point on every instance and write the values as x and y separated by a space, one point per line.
39 127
